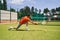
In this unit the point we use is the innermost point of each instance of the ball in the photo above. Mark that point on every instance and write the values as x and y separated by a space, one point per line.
44 22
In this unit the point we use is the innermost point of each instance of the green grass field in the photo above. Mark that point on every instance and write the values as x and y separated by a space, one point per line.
50 31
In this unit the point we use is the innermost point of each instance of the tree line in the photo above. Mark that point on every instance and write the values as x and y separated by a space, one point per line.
32 10
27 10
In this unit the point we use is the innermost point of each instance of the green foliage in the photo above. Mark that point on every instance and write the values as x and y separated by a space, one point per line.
12 10
36 10
0 5
32 10
46 10
24 12
27 10
53 10
4 5
39 10
58 9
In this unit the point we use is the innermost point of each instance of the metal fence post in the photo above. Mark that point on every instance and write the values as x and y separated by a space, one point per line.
0 16
0 11
10 14
17 15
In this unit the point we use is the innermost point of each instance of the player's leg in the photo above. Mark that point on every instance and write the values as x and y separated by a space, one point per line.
15 27
18 26
27 26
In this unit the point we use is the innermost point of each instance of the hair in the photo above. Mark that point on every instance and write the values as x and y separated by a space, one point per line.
27 15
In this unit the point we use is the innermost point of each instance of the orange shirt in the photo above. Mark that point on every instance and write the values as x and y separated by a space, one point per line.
24 20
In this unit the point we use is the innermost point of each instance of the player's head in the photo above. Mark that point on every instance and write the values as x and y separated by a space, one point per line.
28 15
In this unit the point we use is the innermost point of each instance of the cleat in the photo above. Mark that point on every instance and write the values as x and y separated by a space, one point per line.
10 28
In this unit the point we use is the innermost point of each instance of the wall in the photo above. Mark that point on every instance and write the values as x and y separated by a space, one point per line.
5 15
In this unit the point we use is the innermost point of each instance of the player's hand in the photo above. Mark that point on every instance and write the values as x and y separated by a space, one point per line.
36 23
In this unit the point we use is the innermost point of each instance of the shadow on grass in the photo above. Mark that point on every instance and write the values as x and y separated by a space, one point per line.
48 24
26 30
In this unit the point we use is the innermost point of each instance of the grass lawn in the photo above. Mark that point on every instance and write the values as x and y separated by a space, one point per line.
50 31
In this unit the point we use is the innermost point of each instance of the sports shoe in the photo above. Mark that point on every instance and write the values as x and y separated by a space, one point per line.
27 29
10 28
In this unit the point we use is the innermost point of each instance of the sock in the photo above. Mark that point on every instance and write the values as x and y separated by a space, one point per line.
26 28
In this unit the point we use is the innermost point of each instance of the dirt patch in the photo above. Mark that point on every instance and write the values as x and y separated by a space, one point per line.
8 21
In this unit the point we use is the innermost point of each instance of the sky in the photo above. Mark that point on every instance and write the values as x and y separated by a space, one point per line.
39 4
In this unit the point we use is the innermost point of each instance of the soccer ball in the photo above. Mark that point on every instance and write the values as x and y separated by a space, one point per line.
10 28
44 22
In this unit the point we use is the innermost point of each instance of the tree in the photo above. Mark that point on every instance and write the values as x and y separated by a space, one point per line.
36 10
39 10
4 5
0 4
27 10
32 10
53 11
46 10
21 13
12 10
58 9
22 10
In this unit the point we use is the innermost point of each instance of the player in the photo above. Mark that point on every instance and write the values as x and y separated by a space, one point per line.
25 20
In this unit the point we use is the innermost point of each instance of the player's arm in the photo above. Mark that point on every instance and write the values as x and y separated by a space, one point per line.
33 22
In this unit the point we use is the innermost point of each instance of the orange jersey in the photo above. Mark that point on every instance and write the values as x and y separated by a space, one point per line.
24 20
